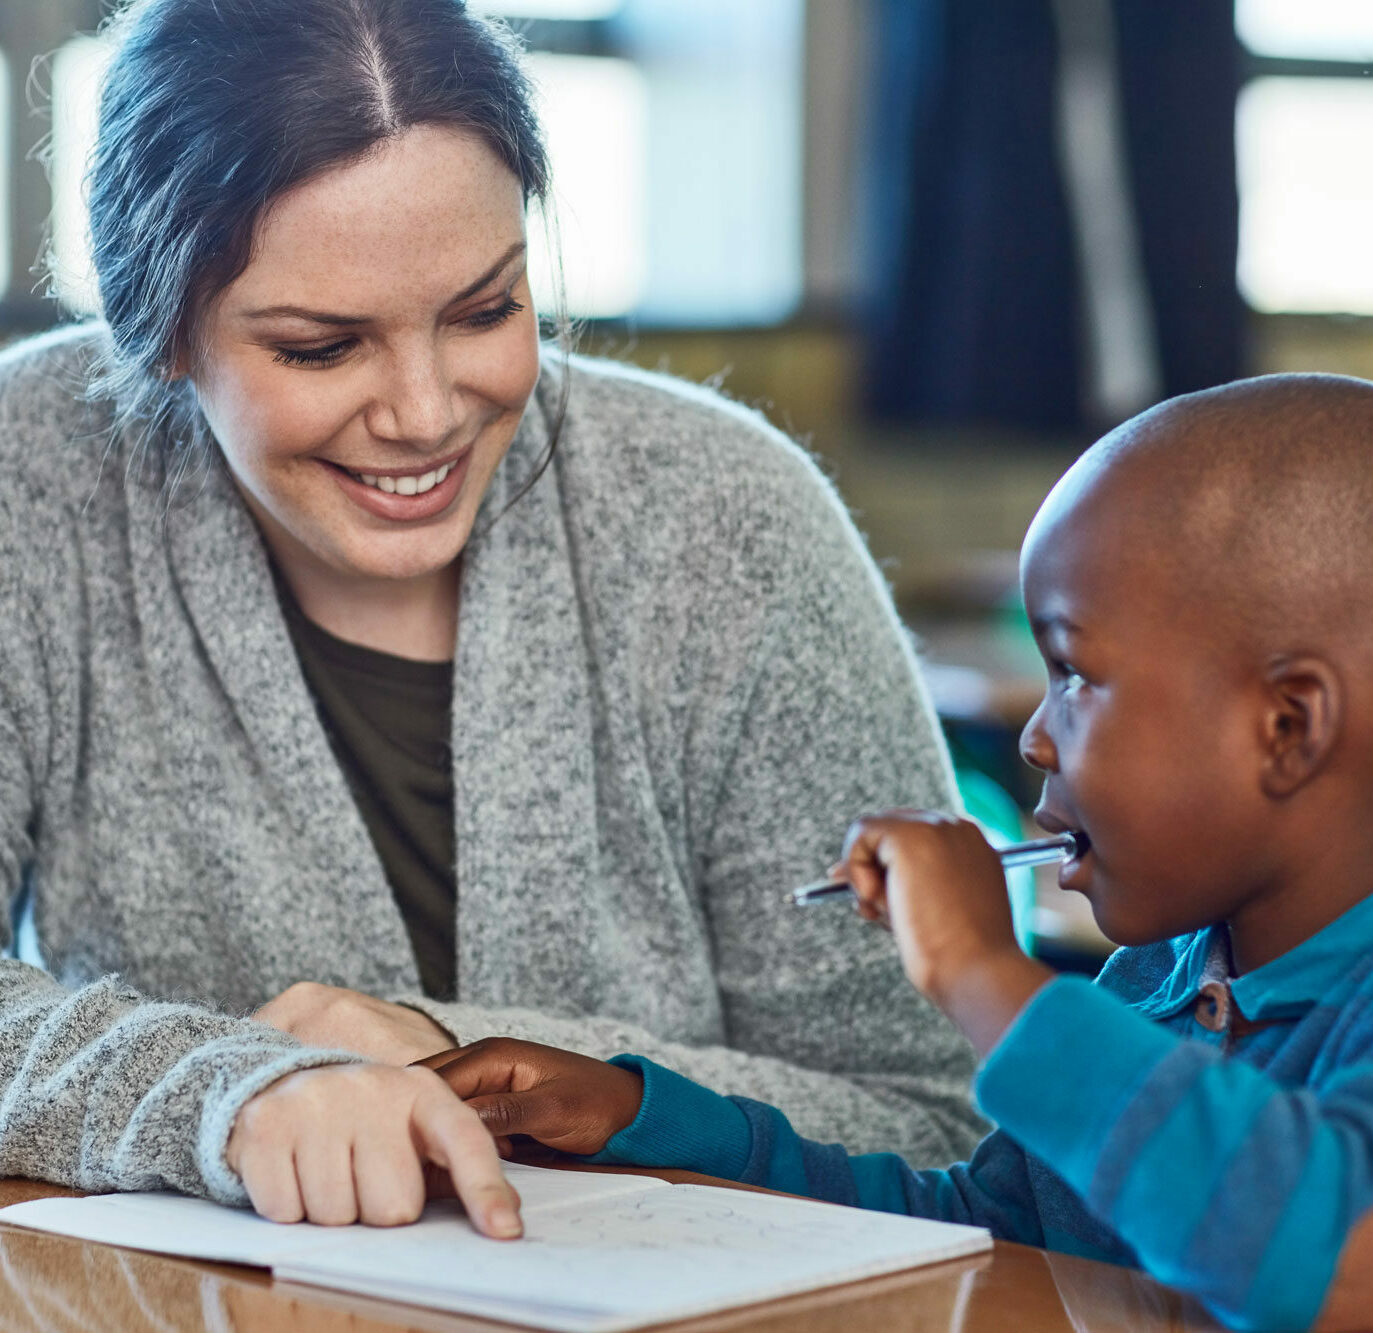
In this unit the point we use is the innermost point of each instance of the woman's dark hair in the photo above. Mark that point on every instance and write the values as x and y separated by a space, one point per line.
212 108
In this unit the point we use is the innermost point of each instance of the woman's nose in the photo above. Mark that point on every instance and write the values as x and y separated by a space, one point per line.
417 404
1036 749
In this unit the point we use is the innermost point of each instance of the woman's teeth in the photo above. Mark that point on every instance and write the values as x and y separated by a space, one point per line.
404 485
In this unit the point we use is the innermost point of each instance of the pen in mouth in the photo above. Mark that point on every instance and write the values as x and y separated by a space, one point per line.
1036 852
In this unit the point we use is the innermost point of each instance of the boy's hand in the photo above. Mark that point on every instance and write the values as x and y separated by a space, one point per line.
348 1143
566 1101
937 883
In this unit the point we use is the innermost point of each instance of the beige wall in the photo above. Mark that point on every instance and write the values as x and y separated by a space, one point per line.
929 500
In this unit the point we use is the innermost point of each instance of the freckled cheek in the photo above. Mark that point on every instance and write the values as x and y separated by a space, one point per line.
503 370
268 419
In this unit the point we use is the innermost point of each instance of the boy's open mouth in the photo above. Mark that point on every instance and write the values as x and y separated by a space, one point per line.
1071 869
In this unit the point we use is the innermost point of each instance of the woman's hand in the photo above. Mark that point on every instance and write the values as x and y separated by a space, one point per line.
937 883
569 1102
348 1020
348 1143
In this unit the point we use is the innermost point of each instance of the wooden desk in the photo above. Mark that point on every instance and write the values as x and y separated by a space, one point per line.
51 1284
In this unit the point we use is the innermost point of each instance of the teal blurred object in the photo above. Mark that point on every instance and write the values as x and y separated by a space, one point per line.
992 807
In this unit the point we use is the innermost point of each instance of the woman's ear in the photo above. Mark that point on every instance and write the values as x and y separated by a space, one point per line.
1302 720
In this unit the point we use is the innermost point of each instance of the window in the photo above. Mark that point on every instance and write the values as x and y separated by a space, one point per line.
595 113
76 73
6 176
1303 125
1312 30
675 135
547 9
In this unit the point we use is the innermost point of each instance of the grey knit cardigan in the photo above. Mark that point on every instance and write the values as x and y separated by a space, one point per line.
678 675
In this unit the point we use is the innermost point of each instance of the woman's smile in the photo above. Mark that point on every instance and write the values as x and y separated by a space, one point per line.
405 495
364 460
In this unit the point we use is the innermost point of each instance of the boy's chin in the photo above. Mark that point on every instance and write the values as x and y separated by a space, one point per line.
1127 931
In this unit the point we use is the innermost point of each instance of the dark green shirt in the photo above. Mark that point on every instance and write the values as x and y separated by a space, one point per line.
388 720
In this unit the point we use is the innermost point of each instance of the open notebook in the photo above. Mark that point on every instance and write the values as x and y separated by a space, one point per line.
600 1252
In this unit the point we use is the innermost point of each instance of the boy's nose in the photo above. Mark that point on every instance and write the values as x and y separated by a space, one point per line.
1036 749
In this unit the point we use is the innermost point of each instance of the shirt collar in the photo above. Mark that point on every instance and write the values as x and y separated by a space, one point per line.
1285 988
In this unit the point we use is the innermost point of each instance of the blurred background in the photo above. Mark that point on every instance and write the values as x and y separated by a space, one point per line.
945 243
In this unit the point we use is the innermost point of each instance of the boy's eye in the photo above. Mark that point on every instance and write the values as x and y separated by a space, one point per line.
1067 675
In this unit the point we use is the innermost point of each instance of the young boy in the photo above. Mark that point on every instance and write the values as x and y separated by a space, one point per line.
1200 585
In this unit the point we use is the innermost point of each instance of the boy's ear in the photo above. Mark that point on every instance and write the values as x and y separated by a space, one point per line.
1303 717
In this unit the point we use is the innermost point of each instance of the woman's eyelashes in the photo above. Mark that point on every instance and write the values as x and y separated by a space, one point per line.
489 319
334 352
313 356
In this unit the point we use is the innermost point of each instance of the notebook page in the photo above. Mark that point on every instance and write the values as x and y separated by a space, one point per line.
197 1229
544 1187
624 1262
167 1224
601 1252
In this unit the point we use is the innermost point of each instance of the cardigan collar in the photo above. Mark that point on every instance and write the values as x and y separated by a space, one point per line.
516 747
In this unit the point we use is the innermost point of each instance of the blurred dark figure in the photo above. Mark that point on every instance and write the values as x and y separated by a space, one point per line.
976 304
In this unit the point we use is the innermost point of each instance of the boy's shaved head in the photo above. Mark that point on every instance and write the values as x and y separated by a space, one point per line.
1199 587
1253 503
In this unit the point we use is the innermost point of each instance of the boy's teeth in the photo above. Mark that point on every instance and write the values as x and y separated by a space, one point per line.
404 485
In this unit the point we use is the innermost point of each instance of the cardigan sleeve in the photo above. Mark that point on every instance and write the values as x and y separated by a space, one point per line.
810 711
100 1087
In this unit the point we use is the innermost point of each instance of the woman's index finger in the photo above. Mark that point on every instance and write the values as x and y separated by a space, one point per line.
452 1136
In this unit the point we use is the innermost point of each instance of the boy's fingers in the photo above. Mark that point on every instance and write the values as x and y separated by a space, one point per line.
870 887
507 1113
455 1138
438 1059
480 1069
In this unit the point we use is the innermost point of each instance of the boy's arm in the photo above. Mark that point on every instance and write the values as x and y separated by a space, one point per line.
681 1124
1222 1181
631 1111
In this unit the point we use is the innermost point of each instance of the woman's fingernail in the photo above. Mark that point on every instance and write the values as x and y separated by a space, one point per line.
505 1221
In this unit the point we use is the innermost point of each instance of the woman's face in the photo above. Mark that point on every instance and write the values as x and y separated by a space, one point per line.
366 372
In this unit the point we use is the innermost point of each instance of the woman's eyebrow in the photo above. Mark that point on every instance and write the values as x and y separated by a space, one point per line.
324 317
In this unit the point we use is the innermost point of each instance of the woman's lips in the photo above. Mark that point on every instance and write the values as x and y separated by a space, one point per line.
403 508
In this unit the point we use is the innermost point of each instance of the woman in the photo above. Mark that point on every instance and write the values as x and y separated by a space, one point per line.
315 668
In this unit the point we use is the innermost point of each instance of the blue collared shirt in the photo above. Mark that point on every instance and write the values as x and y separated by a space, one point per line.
1216 1131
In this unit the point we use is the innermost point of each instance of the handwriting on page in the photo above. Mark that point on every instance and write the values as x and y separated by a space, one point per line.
678 1219
663 1249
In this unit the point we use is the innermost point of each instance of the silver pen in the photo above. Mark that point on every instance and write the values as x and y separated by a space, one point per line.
1038 851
